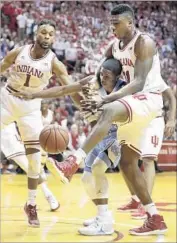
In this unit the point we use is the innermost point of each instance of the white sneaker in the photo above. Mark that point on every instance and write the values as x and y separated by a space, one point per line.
102 225
88 222
54 204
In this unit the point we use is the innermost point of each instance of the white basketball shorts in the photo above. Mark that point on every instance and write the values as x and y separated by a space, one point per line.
142 108
153 138
11 144
26 113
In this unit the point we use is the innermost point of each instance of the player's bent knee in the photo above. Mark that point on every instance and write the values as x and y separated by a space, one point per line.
99 167
32 174
86 177
107 113
126 165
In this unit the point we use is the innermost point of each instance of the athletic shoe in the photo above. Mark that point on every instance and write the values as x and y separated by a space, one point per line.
31 213
140 214
102 225
63 170
88 222
129 207
153 225
54 204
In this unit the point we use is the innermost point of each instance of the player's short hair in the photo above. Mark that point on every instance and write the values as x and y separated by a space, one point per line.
47 22
113 65
123 8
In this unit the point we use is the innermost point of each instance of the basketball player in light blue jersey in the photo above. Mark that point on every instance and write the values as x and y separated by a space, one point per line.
104 155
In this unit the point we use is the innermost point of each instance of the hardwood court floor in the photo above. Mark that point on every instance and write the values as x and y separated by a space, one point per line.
61 226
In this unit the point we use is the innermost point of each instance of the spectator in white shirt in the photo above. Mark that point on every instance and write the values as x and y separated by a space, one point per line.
29 24
21 21
71 57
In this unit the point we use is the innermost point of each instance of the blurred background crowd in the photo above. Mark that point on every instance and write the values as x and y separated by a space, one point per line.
82 34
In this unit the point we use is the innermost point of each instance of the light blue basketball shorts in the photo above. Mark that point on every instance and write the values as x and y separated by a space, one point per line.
107 150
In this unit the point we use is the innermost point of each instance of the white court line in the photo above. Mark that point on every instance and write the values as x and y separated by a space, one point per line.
55 219
79 220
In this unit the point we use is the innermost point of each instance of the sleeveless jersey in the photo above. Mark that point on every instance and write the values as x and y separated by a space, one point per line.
28 74
48 119
154 81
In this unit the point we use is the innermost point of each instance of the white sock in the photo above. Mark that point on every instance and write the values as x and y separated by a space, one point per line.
102 209
80 155
151 209
45 189
32 197
135 198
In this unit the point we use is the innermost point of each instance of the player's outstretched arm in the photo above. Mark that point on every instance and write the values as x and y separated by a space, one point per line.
60 70
54 92
9 59
145 50
171 118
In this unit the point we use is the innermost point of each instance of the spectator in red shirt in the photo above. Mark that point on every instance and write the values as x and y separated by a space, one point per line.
62 111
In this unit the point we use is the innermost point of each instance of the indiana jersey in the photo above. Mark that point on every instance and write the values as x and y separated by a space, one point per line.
30 74
127 57
48 119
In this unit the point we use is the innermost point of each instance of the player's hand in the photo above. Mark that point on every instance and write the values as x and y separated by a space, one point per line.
92 104
23 95
170 128
86 80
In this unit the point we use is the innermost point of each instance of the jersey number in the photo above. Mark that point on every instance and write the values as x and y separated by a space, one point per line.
127 76
140 97
27 80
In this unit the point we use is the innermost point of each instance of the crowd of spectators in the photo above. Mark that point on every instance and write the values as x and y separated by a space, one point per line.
82 35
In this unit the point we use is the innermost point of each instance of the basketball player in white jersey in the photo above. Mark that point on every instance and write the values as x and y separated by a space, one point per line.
132 108
32 67
151 146
13 148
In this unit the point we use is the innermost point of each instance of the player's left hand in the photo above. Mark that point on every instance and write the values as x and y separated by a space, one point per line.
170 128
23 95
91 104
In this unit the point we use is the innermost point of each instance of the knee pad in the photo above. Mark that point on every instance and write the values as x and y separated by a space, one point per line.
89 184
34 167
87 177
99 167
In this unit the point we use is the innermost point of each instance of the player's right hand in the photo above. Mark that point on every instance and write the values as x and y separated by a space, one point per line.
23 95
86 80
170 128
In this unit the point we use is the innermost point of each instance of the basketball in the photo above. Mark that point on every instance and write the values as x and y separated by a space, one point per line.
54 139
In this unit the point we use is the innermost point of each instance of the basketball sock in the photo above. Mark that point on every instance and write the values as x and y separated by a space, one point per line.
102 209
32 197
45 190
80 155
151 209
22 161
134 197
